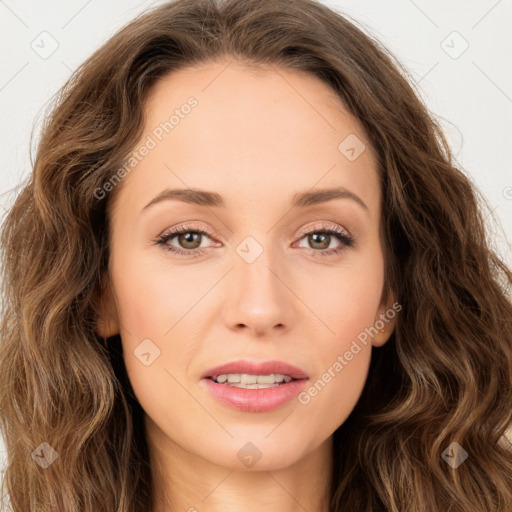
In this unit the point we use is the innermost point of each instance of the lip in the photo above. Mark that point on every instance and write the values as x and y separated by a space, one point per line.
255 400
256 368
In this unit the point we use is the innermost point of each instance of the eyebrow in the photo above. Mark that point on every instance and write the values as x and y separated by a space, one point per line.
215 200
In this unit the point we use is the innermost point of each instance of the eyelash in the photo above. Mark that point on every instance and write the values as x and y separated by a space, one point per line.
341 235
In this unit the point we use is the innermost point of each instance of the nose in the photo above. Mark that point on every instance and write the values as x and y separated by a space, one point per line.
259 301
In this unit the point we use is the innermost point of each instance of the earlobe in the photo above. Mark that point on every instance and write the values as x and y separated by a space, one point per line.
385 319
382 336
107 324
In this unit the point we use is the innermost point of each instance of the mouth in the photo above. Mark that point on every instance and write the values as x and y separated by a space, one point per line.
254 373
254 386
249 381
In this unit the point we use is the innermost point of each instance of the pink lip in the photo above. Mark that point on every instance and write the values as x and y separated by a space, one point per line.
253 368
255 400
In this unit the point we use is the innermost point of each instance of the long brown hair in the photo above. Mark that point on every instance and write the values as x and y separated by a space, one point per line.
445 375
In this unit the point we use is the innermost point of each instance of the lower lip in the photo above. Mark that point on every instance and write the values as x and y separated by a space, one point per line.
255 400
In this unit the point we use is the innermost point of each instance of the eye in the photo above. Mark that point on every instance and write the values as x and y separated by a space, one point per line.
320 239
189 238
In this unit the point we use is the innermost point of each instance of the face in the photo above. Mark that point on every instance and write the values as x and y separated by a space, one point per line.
265 268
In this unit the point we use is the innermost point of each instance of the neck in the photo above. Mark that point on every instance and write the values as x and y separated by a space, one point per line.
186 481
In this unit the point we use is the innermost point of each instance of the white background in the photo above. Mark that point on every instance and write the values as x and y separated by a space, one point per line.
471 94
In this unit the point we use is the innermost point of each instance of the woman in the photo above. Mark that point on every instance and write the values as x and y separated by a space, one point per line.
174 338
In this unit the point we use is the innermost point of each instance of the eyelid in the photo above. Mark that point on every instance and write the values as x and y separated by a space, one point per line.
212 233
188 226
318 227
339 232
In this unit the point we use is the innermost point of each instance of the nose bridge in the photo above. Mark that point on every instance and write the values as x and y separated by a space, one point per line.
257 296
256 265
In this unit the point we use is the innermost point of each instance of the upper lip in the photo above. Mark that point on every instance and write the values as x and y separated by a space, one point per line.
256 368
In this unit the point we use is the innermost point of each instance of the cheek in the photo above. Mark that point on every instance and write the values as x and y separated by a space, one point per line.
346 300
150 299
342 353
153 314
341 370
335 390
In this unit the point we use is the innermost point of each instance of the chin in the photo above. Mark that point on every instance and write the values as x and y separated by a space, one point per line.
255 453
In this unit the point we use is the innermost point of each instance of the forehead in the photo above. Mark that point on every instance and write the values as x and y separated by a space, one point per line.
252 131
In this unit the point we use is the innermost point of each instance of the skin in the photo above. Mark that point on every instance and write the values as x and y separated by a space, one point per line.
257 137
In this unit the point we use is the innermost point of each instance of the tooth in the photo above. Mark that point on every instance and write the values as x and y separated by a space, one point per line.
245 378
253 386
266 379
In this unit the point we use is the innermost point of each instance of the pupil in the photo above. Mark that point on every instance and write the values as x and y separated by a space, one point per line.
323 244
189 238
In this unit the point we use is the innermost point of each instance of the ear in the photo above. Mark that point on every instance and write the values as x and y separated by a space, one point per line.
385 318
107 323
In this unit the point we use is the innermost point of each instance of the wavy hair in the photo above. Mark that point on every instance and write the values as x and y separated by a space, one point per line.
444 376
